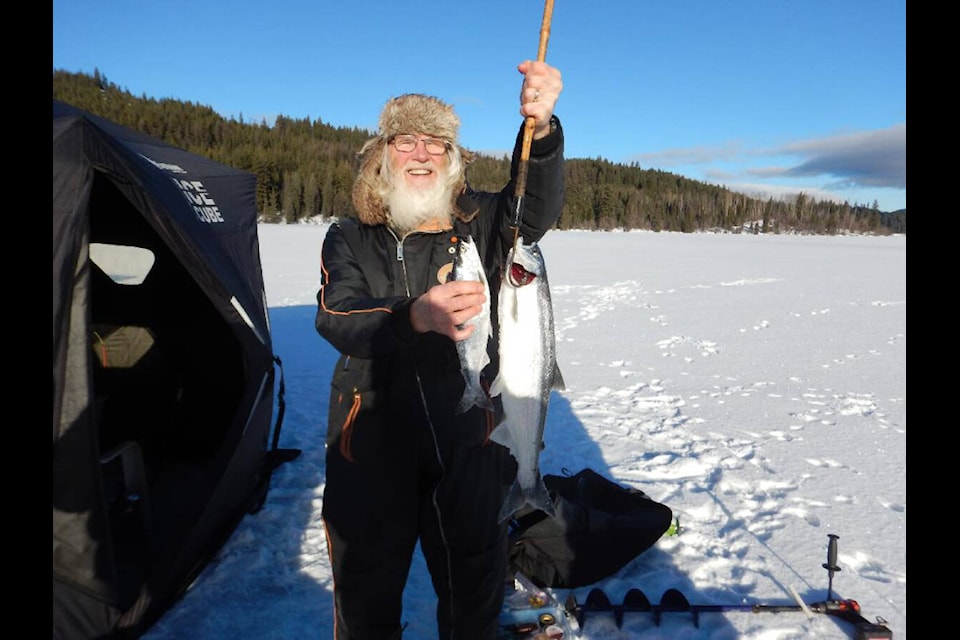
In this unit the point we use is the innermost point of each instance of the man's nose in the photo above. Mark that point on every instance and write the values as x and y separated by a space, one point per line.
420 151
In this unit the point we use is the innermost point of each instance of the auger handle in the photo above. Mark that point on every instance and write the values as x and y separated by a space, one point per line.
831 564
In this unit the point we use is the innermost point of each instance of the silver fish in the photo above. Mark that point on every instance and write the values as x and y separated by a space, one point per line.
528 373
473 349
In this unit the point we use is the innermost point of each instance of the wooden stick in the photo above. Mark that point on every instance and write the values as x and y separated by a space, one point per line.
529 125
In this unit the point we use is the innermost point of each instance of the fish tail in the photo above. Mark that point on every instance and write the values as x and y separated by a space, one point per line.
536 496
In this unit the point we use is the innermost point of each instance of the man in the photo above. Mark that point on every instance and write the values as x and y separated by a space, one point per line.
401 464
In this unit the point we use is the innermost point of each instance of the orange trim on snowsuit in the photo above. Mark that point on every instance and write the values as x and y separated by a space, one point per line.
323 304
346 432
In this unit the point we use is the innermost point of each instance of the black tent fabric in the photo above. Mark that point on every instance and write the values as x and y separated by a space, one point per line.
163 372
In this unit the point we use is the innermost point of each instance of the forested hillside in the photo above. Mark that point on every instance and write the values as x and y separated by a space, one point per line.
306 168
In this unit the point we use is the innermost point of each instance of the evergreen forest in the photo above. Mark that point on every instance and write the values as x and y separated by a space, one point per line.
306 169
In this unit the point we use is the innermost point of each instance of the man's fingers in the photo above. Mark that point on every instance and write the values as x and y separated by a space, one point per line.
465 314
456 288
446 307
461 332
472 302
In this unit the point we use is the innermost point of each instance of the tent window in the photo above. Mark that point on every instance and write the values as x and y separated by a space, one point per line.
124 264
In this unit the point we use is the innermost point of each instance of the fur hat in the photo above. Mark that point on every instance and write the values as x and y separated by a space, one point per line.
409 113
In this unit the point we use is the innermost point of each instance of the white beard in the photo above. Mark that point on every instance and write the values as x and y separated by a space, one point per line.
409 207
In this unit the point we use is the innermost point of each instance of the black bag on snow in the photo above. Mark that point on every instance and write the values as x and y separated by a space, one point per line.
598 528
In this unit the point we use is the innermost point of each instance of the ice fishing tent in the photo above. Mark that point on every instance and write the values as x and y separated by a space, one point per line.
163 372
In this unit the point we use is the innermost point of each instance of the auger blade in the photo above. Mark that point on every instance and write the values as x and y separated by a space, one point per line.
634 601
673 600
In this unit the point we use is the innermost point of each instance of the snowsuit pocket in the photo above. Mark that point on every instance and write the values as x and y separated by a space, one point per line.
354 400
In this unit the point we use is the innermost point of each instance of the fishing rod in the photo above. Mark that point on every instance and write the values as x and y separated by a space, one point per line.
529 125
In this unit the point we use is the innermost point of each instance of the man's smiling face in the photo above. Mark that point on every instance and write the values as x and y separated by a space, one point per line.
421 167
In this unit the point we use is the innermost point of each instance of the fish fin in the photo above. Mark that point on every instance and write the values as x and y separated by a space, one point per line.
497 387
558 383
503 436
536 496
474 398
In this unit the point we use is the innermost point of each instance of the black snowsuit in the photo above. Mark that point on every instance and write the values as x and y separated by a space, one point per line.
401 465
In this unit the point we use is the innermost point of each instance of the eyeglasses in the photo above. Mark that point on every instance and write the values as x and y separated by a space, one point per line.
407 143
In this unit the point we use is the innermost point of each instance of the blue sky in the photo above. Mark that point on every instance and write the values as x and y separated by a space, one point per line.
769 97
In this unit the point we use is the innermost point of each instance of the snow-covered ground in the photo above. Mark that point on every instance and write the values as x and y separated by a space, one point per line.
754 384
